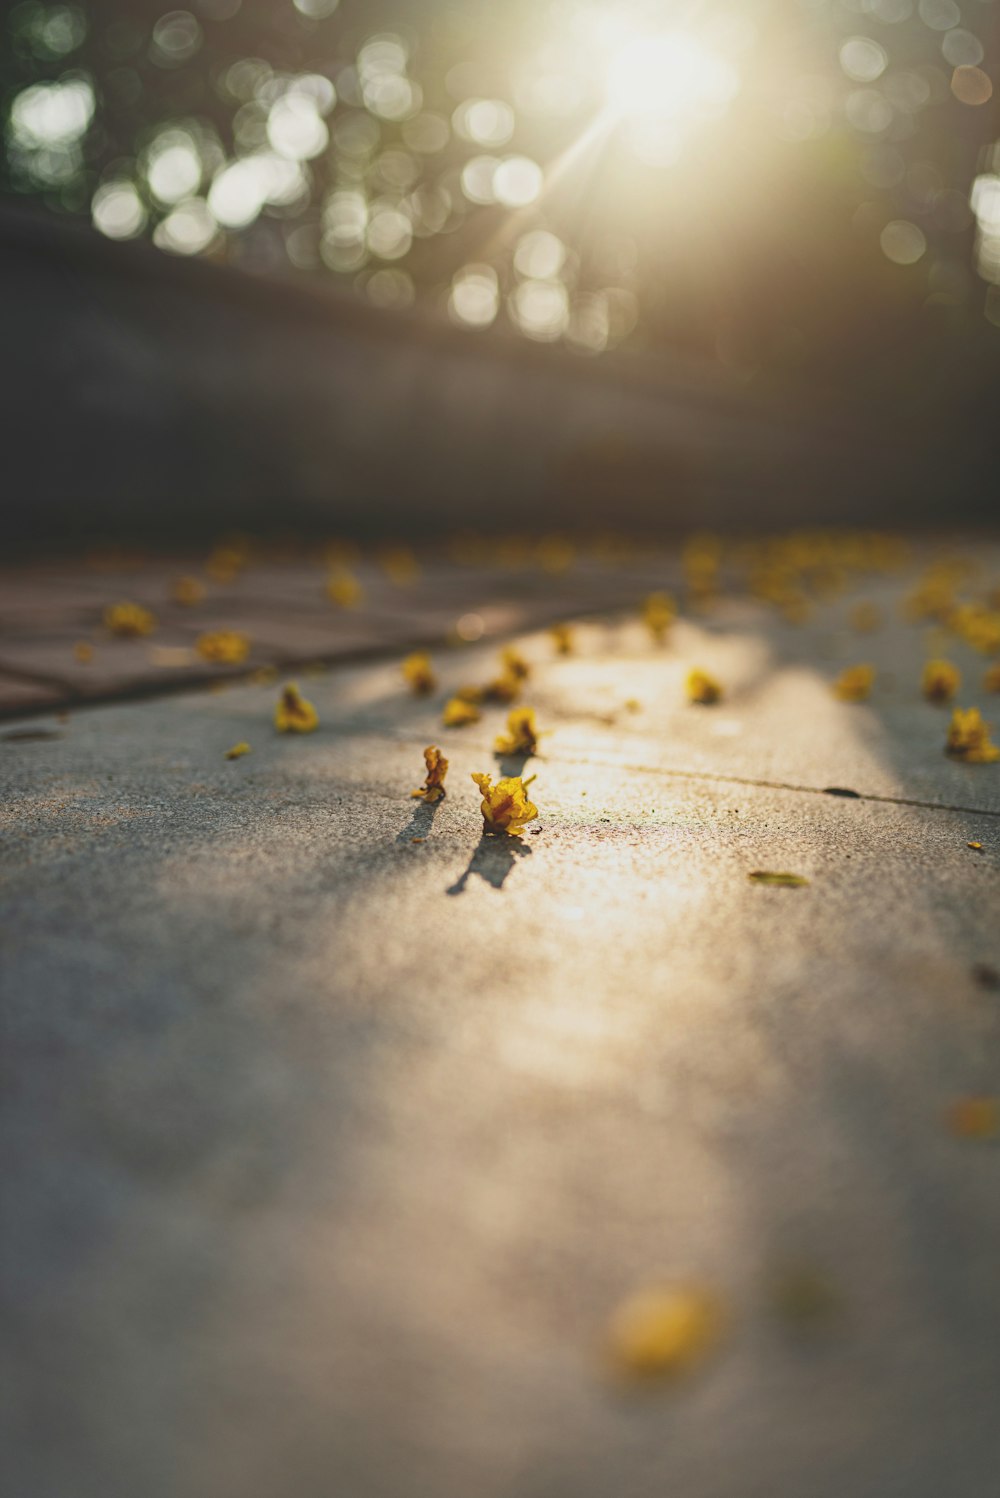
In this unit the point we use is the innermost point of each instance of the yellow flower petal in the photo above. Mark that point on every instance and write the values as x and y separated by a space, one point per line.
940 681
702 688
969 738
854 684
505 806
343 589
419 674
187 591
659 1333
127 620
399 565
458 712
658 613
505 688
514 664
437 768
522 734
226 647
293 713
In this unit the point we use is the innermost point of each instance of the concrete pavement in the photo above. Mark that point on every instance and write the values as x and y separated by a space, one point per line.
330 1152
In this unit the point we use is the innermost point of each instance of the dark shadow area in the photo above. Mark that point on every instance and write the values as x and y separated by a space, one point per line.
511 765
493 858
420 822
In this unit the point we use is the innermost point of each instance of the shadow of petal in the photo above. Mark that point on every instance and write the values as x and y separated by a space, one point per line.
492 859
421 821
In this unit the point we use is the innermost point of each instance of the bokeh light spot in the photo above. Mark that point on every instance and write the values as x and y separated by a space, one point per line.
971 86
517 182
902 242
475 296
118 211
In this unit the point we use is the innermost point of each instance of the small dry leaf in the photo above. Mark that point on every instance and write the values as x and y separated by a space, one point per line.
238 750
768 876
664 1332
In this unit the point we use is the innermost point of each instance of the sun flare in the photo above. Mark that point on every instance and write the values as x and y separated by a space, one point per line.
673 76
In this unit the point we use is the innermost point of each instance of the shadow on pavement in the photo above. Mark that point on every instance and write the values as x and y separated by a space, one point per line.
492 859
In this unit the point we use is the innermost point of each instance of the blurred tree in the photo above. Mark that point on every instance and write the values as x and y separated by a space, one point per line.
794 190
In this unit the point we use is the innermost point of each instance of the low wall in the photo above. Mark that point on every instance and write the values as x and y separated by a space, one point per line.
162 397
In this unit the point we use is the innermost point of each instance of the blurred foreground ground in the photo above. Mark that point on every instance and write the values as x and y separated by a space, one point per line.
335 1134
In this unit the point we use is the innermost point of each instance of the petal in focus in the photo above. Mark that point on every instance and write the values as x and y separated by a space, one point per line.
436 767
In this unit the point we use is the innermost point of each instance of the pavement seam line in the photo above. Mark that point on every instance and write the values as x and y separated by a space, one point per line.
764 785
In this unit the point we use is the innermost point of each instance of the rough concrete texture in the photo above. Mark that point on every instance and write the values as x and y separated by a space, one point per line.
330 1152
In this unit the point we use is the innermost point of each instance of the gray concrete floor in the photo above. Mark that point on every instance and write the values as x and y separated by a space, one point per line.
329 1153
